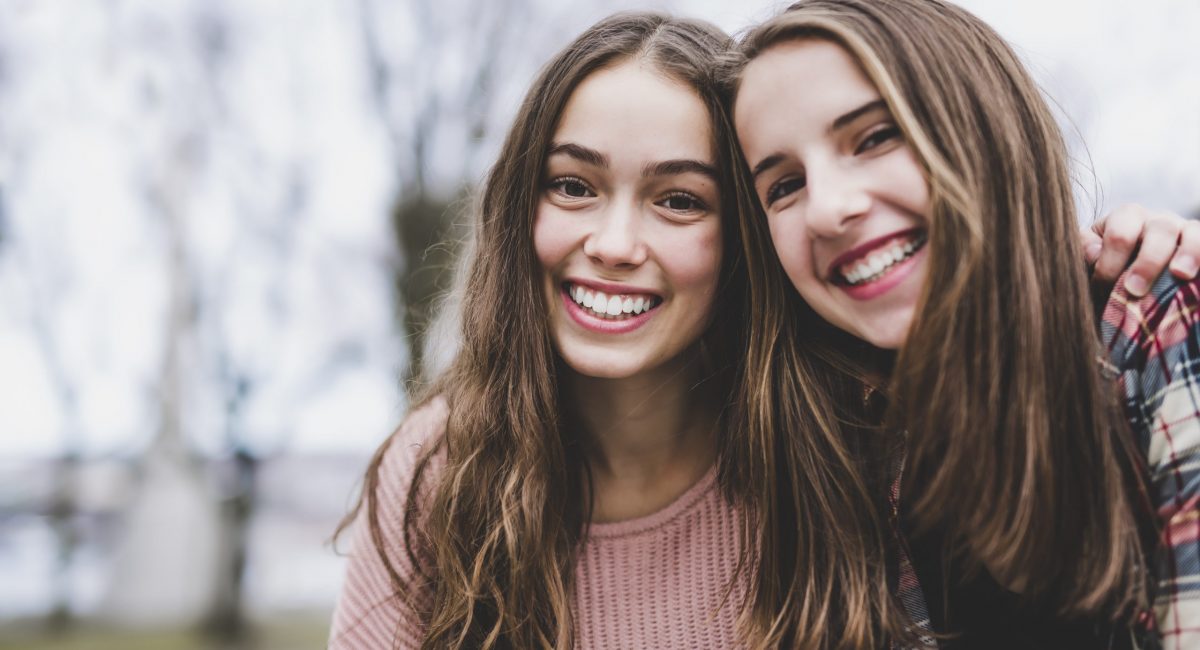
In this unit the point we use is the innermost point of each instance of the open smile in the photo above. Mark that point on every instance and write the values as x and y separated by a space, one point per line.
610 312
874 261
875 268
611 306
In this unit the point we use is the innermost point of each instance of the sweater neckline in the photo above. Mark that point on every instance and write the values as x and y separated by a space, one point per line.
659 518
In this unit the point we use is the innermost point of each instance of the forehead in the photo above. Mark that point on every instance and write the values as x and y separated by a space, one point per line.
635 110
796 80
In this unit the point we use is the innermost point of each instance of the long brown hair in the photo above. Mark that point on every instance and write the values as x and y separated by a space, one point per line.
503 519
1016 447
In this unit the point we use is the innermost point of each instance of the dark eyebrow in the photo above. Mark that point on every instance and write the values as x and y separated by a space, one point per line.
857 113
765 164
673 167
841 121
580 153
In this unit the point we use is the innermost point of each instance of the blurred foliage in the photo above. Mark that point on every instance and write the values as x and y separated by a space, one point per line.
429 233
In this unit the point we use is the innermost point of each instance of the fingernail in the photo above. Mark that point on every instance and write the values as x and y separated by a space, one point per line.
1092 251
1185 265
1136 284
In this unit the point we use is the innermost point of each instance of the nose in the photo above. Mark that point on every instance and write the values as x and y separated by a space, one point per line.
616 239
836 198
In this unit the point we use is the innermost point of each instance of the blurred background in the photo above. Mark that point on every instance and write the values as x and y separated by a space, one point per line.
221 224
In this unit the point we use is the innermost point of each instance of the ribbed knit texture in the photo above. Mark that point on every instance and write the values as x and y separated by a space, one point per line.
653 582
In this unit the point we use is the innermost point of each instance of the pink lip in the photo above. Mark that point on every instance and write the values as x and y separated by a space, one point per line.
589 321
891 278
610 288
862 249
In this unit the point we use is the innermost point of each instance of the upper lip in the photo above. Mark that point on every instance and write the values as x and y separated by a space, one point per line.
862 249
610 288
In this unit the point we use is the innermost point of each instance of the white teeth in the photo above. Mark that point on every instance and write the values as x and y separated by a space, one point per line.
602 304
879 261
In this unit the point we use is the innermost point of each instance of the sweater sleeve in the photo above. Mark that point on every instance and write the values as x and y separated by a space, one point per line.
371 612
1154 349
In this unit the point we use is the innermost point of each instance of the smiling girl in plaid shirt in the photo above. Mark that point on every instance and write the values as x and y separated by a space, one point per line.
913 187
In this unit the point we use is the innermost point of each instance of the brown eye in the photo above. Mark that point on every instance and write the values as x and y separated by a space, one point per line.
782 188
571 187
877 137
682 202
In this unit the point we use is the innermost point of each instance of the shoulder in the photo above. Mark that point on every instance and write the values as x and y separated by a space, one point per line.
399 457
421 430
374 610
1156 333
1152 345
1154 353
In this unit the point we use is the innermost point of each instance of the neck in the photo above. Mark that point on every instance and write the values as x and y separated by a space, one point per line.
651 437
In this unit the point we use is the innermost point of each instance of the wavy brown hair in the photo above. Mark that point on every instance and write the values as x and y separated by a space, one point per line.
497 529
999 368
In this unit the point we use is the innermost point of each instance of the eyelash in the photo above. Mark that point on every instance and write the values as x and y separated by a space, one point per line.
559 185
877 137
781 188
697 204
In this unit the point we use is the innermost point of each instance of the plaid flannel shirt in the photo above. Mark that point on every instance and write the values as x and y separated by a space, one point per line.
1153 346
1153 352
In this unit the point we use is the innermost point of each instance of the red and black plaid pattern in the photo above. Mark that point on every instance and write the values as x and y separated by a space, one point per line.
1153 346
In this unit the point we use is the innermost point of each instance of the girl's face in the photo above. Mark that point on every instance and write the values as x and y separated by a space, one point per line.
627 229
846 201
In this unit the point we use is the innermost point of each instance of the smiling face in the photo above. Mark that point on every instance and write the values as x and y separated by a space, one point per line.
627 229
846 201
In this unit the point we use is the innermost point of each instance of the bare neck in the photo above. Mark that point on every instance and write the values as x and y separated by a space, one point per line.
651 438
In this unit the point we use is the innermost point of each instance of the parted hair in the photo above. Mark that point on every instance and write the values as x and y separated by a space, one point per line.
497 528
1015 446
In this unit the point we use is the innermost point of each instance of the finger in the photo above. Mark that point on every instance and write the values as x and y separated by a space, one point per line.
1091 242
1186 261
1159 239
1122 230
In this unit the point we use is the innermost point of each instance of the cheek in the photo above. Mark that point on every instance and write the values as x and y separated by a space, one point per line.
694 261
906 175
791 245
551 240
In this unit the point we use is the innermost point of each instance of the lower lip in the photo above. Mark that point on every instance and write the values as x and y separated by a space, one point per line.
893 277
589 321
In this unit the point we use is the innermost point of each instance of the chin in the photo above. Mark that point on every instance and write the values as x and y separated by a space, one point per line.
888 336
599 368
889 341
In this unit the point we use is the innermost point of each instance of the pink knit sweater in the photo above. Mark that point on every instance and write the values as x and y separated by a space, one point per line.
652 582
